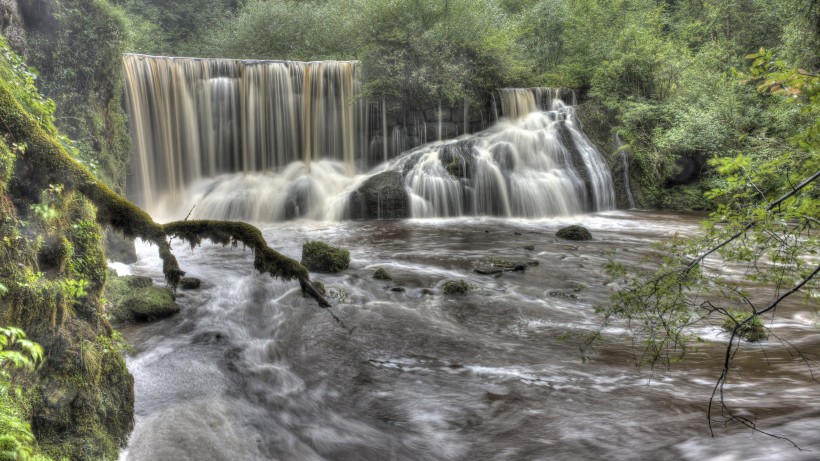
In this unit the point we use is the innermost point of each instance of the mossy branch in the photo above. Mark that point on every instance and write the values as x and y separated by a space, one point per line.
45 162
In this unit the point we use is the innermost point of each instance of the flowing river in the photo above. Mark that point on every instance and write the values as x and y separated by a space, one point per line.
251 370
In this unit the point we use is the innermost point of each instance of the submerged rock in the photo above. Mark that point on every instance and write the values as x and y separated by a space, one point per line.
456 287
382 196
321 257
190 283
575 232
561 294
499 265
382 274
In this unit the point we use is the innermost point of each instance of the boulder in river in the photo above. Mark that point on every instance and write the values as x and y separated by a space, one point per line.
574 233
136 299
382 274
321 257
456 287
382 196
190 283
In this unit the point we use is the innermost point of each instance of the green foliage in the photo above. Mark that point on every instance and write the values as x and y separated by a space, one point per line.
438 51
17 351
52 264
17 440
745 324
174 27
764 228
77 47
22 79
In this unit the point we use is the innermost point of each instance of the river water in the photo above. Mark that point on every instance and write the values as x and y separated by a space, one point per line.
250 370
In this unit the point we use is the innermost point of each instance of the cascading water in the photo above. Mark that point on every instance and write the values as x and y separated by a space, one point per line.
624 154
195 119
267 141
532 164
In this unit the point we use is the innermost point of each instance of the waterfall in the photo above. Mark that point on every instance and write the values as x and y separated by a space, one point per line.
518 102
535 166
265 141
624 154
193 119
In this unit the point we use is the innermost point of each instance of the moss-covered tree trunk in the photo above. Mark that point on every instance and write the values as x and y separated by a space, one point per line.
53 271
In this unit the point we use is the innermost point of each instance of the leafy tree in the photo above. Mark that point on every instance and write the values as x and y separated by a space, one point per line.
765 228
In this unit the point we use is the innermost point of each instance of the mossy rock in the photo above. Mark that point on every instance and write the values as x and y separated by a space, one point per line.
321 257
456 287
150 303
382 274
134 298
575 232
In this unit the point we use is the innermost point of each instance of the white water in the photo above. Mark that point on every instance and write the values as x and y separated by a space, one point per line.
193 119
267 141
250 370
538 165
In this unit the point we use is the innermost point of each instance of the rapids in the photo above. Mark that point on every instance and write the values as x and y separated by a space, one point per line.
250 370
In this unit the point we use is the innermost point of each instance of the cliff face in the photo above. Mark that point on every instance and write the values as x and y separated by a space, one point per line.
53 267
11 26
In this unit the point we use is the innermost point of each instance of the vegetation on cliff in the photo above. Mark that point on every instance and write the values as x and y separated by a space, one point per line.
53 272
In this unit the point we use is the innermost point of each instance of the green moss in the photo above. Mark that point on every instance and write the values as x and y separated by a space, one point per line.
150 303
574 232
53 266
321 257
457 287
382 274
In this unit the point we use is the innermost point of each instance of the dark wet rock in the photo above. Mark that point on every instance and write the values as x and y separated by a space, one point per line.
321 257
382 274
488 269
561 294
458 157
456 287
529 247
574 233
382 196
578 165
320 287
397 289
190 283
119 248
499 265
299 194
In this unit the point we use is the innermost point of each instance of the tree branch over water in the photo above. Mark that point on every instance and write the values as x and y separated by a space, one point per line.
45 162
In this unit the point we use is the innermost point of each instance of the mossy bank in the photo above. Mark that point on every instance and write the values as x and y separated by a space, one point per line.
80 403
